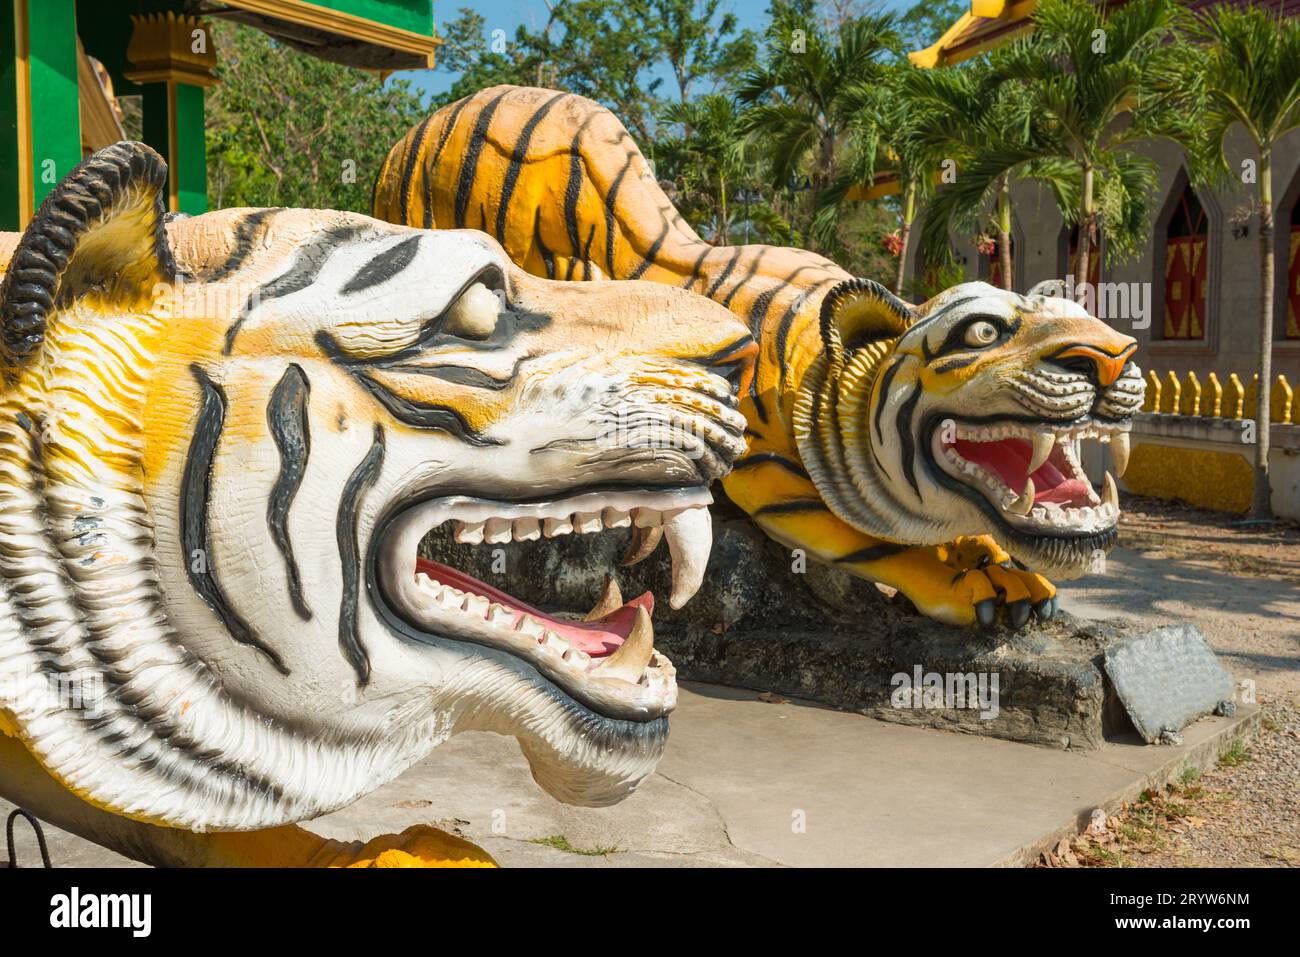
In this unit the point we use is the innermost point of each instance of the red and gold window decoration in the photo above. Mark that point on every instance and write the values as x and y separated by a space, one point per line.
1186 258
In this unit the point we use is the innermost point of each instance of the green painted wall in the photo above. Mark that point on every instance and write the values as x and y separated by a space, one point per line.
191 149
56 120
56 117
413 15
8 120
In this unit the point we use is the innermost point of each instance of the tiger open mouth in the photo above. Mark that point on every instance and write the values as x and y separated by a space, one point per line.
604 658
1030 472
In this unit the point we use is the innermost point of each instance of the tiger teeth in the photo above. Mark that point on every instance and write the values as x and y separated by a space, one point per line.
1110 495
1025 502
527 530
1100 508
551 527
1119 450
469 533
1044 442
638 684
584 523
690 539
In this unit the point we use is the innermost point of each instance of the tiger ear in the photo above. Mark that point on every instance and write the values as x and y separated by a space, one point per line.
1048 288
100 229
861 311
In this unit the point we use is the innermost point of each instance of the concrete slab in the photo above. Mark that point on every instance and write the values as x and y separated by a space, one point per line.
751 783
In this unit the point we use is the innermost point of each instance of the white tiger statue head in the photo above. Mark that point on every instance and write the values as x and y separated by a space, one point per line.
222 441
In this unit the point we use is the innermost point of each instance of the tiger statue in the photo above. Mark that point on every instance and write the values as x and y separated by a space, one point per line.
930 448
222 440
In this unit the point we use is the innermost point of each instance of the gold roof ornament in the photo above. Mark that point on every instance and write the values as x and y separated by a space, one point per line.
171 47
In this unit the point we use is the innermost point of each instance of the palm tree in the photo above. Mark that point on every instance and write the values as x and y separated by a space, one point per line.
1091 72
974 118
708 162
805 98
1246 70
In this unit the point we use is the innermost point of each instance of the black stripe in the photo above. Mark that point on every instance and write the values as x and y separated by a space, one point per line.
727 351
884 394
586 253
409 171
196 480
764 458
783 331
517 161
302 272
431 167
905 440
362 477
758 310
461 375
384 266
469 166
548 259
286 414
610 215
694 277
793 506
954 364
935 317
726 271
572 190
651 253
749 274
247 230
872 553
423 415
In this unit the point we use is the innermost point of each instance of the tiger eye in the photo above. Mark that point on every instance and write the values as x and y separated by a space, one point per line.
981 334
474 314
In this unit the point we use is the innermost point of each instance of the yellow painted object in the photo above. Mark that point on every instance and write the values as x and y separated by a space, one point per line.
1282 400
1151 402
1214 399
1170 399
558 181
1191 402
1236 406
1204 477
1217 480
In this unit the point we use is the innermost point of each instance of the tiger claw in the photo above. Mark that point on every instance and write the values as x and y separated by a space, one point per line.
1017 614
1045 609
986 612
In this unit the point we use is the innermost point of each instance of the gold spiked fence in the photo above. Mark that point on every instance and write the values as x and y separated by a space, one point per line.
1186 394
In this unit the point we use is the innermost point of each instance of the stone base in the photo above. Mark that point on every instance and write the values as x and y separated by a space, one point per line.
766 620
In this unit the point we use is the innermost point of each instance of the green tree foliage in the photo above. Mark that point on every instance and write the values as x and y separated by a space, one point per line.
1092 74
287 129
811 99
1243 73
613 53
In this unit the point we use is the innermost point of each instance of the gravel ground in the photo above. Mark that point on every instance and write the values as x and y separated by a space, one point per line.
1240 583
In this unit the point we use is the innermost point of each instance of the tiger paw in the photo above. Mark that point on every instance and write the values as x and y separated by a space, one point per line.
983 585
418 846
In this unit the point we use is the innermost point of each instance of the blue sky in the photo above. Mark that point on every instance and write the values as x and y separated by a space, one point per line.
510 14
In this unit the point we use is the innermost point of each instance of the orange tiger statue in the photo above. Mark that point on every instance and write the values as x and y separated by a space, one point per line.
931 448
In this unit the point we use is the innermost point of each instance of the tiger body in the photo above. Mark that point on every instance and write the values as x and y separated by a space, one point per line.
558 181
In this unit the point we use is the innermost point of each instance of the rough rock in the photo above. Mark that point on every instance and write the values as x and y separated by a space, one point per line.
766 621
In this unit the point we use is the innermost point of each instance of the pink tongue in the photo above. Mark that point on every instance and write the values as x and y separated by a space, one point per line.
1010 459
596 638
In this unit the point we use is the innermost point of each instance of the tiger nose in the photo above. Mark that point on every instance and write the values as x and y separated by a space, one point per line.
1104 361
